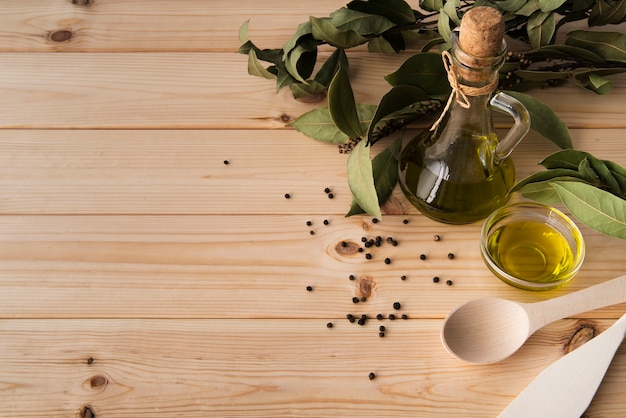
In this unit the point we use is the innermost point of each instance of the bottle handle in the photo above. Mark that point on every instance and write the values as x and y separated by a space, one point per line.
521 118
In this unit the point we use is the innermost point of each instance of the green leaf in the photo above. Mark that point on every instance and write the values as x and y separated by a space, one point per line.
342 105
336 60
540 27
598 84
550 5
443 26
310 91
595 208
529 8
510 5
302 58
450 8
424 70
255 68
619 173
398 98
544 120
346 19
303 30
585 170
319 125
567 52
547 175
568 158
607 12
398 11
611 46
431 5
361 179
385 172
380 45
243 32
541 192
324 30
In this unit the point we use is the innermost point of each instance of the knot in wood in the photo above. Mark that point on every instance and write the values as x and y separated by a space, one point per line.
347 248
63 35
584 332
98 382
86 412
365 286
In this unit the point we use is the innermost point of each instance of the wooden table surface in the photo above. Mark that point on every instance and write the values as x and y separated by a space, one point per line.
140 276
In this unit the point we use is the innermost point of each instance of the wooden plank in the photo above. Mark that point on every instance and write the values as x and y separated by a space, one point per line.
225 368
195 90
183 172
157 25
254 267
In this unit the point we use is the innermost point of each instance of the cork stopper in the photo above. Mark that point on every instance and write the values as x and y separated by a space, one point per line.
481 32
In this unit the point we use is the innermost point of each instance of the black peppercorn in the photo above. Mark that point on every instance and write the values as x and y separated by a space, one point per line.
344 244
352 277
360 250
287 196
449 282
379 317
368 256
392 317
330 195
350 317
361 321
309 223
326 222
403 277
381 334
422 256
387 260
363 298
405 316
406 221
312 232
309 288
437 237
372 375
329 325
363 239
435 279
389 240
327 190
450 256
355 300
396 305
226 162
375 220
381 328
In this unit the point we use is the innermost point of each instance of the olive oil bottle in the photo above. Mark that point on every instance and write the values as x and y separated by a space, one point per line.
459 171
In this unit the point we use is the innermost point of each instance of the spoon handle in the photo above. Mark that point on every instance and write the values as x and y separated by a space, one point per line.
608 293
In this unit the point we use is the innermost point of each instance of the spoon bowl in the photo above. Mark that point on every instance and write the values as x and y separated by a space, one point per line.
488 330
508 329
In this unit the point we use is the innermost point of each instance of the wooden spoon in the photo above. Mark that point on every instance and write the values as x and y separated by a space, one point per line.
489 330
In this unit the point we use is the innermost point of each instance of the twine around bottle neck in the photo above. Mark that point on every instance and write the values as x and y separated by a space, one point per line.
461 92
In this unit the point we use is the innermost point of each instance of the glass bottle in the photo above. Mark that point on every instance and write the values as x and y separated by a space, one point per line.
459 171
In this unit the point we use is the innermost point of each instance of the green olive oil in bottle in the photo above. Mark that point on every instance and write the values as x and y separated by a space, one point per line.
459 171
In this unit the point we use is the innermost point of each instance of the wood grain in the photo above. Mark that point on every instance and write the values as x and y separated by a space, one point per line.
253 267
207 91
141 276
198 368
183 171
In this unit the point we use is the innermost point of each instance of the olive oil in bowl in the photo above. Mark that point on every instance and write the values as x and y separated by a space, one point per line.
532 246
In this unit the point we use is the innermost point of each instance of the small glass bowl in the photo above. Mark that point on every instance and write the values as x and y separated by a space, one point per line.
532 246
